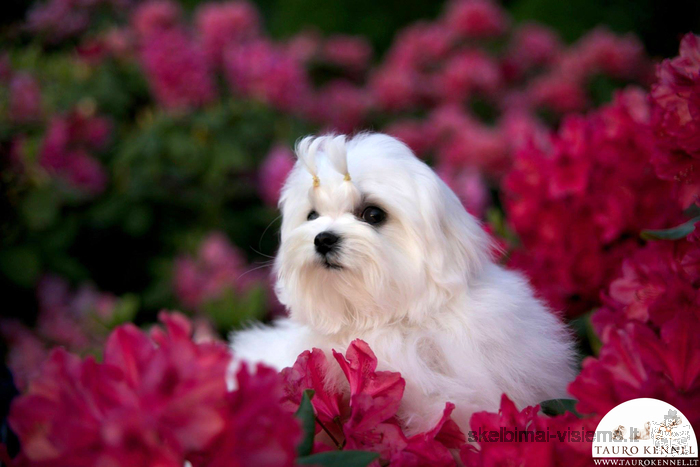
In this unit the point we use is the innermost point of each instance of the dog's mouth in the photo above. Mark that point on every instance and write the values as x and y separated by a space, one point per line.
330 264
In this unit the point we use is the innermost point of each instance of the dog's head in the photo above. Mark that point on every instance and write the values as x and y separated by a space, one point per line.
370 235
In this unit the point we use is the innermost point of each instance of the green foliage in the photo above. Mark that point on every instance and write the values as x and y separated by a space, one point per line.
553 407
674 233
306 416
173 178
339 459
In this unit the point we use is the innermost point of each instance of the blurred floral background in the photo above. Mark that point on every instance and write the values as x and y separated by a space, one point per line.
143 146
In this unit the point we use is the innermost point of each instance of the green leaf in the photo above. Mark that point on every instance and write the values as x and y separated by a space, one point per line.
554 407
21 265
124 310
674 233
230 310
306 416
339 459
585 331
40 208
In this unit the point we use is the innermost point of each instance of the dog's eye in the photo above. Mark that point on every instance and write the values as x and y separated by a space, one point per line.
312 215
373 215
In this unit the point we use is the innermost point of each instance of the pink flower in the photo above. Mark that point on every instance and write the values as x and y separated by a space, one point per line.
304 46
395 88
636 361
578 205
309 372
220 24
524 130
58 20
421 45
26 352
151 402
264 72
119 42
528 425
532 46
74 319
660 274
155 16
559 92
273 172
469 187
25 99
465 142
348 52
367 420
618 56
468 73
258 430
476 18
675 109
341 106
414 133
217 268
65 151
177 70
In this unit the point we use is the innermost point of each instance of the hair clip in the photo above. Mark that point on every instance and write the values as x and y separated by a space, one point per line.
317 181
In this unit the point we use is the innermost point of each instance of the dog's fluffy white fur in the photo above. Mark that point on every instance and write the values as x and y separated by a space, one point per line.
421 288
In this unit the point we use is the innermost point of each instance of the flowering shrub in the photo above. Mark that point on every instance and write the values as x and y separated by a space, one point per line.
142 159
367 421
75 320
155 399
579 206
675 108
161 399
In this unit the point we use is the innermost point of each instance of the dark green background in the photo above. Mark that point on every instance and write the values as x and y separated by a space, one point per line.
660 24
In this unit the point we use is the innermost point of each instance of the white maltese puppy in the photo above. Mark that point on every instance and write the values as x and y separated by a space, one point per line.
375 246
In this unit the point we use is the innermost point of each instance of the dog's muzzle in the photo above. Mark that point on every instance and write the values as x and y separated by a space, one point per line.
326 242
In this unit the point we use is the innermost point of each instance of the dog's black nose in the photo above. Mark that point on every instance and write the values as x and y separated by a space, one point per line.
326 242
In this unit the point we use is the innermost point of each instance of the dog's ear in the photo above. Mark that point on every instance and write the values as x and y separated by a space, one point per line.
457 247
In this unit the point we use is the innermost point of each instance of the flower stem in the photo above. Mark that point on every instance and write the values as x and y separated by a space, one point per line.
323 427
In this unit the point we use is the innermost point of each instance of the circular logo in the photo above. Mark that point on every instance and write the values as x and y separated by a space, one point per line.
645 428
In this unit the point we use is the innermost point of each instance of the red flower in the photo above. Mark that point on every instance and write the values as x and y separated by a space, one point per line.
150 402
220 24
367 420
348 52
341 106
421 45
25 99
466 74
558 441
675 115
431 447
647 327
177 70
396 87
476 18
469 186
258 431
414 133
273 172
65 151
579 205
636 362
656 283
155 16
309 372
217 268
532 46
265 72
463 141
